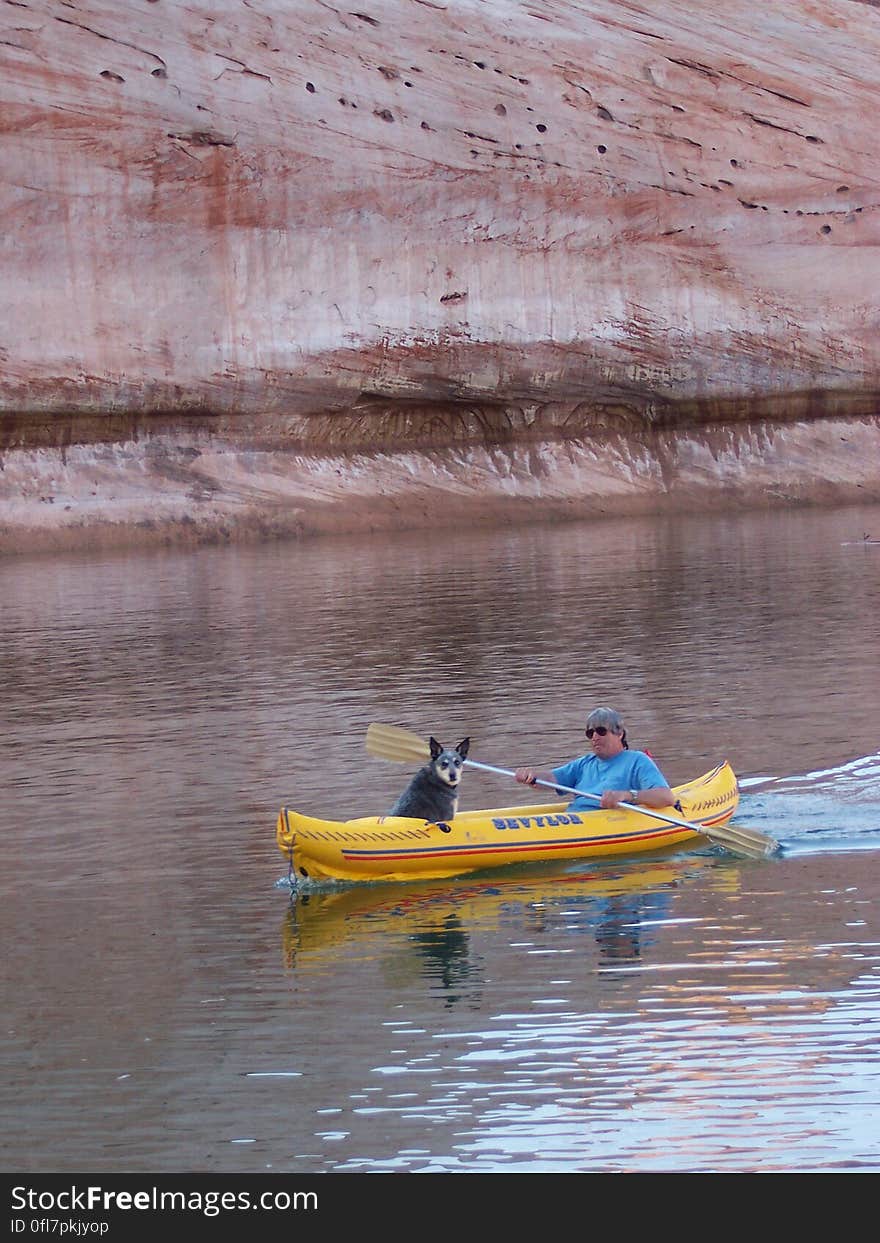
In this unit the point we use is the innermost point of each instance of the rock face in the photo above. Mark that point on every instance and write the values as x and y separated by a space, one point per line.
264 263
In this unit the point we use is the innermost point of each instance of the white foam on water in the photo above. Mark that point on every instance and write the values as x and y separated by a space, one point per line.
858 777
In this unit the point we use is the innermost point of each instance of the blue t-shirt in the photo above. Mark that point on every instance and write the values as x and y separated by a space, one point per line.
629 770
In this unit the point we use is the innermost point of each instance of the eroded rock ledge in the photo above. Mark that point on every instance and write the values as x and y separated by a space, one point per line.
292 267
188 483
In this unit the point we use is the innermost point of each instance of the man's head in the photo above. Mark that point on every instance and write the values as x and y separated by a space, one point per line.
606 732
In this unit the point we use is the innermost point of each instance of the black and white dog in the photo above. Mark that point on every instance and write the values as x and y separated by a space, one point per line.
433 792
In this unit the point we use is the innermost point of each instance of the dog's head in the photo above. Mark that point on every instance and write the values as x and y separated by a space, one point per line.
446 762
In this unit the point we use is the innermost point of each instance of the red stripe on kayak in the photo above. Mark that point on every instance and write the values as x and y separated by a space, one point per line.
451 852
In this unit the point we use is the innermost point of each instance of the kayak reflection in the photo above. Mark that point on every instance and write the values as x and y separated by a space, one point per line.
447 929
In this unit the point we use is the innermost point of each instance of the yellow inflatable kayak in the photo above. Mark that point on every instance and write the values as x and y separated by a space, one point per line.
393 848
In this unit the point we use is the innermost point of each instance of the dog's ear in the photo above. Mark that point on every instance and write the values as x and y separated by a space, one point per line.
435 748
463 747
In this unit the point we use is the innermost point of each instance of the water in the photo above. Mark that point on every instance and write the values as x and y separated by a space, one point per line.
168 1006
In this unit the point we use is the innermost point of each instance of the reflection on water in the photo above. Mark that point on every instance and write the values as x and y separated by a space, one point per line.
653 1015
616 908
166 1000
446 956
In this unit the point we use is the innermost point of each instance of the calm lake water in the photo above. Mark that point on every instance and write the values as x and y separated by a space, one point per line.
168 1005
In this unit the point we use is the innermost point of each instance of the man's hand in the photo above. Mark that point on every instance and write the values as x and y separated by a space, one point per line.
611 798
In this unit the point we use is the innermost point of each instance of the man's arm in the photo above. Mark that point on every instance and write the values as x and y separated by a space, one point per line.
654 796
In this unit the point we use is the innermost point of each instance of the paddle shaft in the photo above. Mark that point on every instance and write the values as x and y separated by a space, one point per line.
645 811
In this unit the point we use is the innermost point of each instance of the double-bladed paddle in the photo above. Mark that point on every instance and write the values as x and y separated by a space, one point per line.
390 742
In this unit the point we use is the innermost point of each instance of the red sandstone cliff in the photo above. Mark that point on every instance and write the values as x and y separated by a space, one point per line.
612 254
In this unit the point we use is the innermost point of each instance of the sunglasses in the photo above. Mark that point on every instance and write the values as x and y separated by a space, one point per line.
600 730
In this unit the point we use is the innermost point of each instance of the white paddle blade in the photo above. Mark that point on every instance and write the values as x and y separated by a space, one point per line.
389 742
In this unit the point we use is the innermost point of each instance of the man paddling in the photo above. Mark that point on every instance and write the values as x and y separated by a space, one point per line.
610 769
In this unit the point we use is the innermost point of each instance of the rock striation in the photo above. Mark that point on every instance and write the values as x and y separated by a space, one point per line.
280 266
